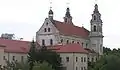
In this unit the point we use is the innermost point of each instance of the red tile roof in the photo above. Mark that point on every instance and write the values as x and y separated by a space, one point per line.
69 29
68 48
15 46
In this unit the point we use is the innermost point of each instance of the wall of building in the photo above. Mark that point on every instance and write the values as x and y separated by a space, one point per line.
80 40
9 56
76 61
1 56
47 35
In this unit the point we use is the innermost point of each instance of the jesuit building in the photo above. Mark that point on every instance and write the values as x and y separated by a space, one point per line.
54 32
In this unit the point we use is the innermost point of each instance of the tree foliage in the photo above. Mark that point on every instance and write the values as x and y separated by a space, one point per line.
109 61
42 66
42 55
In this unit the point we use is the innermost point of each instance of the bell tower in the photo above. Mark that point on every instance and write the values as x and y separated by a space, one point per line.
96 34
68 17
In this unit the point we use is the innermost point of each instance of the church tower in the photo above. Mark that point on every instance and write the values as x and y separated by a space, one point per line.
96 34
68 17
50 14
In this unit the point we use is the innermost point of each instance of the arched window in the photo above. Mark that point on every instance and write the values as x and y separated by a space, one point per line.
43 42
51 42
48 29
67 41
95 28
94 17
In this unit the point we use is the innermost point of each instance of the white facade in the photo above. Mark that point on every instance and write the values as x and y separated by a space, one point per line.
74 61
11 56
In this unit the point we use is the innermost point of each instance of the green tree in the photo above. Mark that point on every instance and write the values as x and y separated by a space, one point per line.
32 55
51 57
42 66
43 54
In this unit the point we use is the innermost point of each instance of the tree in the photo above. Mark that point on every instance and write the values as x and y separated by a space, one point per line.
42 66
43 54
109 61
51 57
32 55
15 65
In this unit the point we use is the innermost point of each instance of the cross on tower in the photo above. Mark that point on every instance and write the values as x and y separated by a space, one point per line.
50 4
68 3
96 1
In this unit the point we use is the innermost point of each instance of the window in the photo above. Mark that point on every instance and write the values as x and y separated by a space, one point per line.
43 42
4 58
61 40
95 28
60 59
81 59
48 29
101 47
67 41
76 59
45 30
86 44
13 58
92 59
67 59
51 42
65 19
81 68
46 23
88 58
22 58
84 59
94 17
82 44
72 41
76 68
84 68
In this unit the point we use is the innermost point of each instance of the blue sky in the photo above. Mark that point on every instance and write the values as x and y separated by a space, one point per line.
25 17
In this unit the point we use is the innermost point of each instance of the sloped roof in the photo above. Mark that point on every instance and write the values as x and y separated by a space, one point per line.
15 46
70 29
68 48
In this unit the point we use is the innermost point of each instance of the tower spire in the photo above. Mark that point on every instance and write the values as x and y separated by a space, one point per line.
50 13
68 17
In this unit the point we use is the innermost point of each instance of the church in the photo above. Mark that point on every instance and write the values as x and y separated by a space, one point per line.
76 45
54 32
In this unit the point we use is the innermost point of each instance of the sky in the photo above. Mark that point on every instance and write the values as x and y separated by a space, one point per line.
25 17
